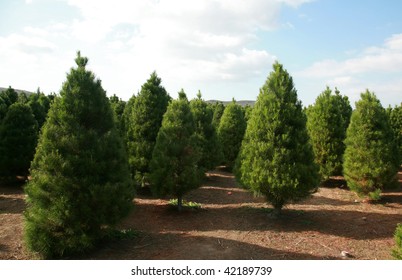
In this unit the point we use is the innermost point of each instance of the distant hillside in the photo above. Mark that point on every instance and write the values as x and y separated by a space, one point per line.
240 102
17 90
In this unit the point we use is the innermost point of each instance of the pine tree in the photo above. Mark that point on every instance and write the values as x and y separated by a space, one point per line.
397 252
174 165
7 98
276 158
230 132
327 130
40 105
371 157
18 138
219 108
118 107
80 182
206 134
395 118
144 123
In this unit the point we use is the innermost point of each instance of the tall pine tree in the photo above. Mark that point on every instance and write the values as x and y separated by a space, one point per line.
327 126
230 132
371 158
174 165
143 126
206 133
80 178
276 158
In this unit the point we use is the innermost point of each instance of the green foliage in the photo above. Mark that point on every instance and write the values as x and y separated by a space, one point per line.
143 126
219 108
118 107
397 252
276 158
247 112
40 105
395 118
207 139
174 165
327 126
230 132
18 138
7 98
80 178
371 157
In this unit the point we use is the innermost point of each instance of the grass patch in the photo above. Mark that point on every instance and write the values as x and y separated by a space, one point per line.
121 234
186 204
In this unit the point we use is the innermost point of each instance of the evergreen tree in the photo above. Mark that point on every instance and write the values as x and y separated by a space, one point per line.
18 138
40 105
206 134
395 118
80 182
219 108
397 252
371 157
276 158
174 165
230 132
327 130
7 98
144 123
118 107
125 118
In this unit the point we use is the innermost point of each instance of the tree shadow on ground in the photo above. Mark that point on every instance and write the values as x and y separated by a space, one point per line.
172 246
343 223
10 205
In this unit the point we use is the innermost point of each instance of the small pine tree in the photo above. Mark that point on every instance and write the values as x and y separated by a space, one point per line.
230 132
174 165
371 158
276 158
80 182
18 138
395 118
397 252
143 126
206 134
327 130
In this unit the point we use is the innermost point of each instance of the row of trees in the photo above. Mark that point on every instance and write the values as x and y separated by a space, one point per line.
91 150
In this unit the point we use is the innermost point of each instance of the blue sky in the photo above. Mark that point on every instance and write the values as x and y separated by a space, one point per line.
225 48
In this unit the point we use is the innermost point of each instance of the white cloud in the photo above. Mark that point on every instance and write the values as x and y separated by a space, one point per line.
373 59
191 44
377 68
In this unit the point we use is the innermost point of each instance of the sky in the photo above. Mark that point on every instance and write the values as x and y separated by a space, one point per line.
224 48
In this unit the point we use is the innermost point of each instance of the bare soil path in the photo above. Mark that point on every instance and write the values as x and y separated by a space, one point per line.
232 224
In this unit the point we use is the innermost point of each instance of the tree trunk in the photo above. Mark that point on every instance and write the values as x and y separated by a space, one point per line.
276 213
179 203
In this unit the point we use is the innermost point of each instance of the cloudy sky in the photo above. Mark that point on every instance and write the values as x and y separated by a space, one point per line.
225 48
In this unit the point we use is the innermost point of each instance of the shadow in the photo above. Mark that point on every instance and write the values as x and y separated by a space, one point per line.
11 205
172 246
320 200
335 182
12 199
342 223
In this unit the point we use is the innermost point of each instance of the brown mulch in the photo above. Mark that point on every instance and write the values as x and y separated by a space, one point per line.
232 224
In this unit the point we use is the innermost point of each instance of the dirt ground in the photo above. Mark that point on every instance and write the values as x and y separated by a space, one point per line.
232 224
